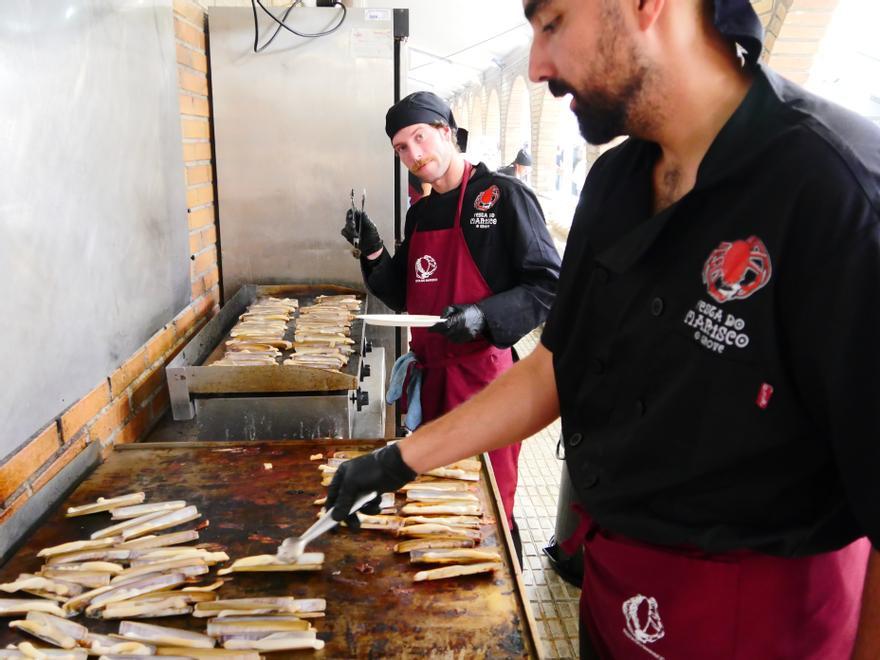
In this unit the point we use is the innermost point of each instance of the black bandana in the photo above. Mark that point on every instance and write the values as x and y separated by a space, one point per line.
737 20
422 108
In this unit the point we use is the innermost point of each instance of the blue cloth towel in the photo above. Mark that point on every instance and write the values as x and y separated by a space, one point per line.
405 365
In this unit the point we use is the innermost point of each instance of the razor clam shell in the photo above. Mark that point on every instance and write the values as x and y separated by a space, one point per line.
206 587
120 527
112 656
142 611
101 644
428 530
451 473
420 495
115 593
256 635
163 521
54 589
81 556
456 570
435 484
428 543
160 541
278 642
308 561
237 626
75 546
442 508
71 628
31 651
45 633
86 579
71 568
11 654
245 606
453 556
210 654
158 567
18 606
471 522
153 555
105 504
137 510
161 635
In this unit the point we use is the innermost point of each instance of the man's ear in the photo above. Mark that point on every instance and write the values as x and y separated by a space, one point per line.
648 11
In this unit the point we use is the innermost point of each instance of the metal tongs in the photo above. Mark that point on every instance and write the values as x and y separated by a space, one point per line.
356 252
292 548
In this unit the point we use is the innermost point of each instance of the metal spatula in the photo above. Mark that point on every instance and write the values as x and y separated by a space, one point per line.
292 548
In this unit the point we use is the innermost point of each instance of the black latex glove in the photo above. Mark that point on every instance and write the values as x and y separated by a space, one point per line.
461 323
370 241
382 470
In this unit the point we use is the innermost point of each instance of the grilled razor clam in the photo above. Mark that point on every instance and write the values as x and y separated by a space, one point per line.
86 579
19 606
137 610
441 508
451 473
165 554
118 528
137 510
453 556
160 541
105 504
276 642
428 544
53 629
456 570
75 546
88 556
47 587
209 654
468 465
240 625
97 644
308 561
163 636
168 565
330 469
441 496
164 521
246 606
206 588
427 529
113 593
435 484
109 567
471 522
31 651
387 523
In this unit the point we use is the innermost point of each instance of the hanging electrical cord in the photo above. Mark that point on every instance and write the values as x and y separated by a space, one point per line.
282 24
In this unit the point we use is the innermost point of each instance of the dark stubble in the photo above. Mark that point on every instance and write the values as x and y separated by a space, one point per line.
605 112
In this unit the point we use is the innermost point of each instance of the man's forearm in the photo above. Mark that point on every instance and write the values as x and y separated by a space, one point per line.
868 637
518 404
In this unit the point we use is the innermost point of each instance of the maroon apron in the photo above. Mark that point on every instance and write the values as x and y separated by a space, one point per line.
643 601
441 272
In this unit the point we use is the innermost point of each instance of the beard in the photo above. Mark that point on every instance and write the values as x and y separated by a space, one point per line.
603 115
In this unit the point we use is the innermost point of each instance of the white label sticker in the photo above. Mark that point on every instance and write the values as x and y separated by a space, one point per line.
377 14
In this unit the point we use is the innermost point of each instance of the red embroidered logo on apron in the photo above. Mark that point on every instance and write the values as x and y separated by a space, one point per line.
736 270
764 395
486 199
425 267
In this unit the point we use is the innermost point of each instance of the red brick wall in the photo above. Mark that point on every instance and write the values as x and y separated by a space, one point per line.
125 405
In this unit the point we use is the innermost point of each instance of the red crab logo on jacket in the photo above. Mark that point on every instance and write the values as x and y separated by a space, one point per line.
486 199
736 270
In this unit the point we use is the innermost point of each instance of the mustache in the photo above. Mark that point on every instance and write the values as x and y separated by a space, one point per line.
559 88
420 164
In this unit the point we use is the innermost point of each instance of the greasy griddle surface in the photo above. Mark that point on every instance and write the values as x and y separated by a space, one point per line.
252 508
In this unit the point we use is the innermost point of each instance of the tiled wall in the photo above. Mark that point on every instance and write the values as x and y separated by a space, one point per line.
126 404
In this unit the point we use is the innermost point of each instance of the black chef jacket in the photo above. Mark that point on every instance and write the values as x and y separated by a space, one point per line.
717 363
508 242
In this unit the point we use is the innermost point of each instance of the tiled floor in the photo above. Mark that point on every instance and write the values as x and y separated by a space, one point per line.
554 602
